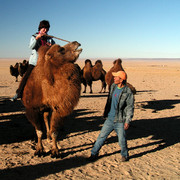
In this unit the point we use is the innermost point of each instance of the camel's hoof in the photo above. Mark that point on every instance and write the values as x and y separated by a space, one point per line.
55 153
39 153
48 138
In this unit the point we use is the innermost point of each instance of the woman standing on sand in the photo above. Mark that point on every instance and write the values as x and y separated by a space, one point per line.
37 40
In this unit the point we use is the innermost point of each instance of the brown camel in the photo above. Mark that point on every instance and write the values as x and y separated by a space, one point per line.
93 73
87 75
22 68
116 67
53 89
14 70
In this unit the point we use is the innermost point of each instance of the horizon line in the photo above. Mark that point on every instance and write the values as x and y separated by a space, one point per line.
108 58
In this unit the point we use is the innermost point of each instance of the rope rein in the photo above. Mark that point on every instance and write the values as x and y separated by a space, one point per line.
58 38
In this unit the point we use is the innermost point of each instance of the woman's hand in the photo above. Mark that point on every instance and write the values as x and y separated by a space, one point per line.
40 35
48 44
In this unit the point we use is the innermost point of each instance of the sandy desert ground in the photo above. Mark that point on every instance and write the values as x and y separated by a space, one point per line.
153 138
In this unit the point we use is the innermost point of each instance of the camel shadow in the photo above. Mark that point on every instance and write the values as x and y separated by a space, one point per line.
158 105
81 121
15 128
145 91
164 130
42 170
7 106
158 128
95 95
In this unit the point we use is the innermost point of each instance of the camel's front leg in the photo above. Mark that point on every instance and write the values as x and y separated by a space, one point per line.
55 123
46 121
34 117
101 89
54 150
104 86
90 88
39 148
85 88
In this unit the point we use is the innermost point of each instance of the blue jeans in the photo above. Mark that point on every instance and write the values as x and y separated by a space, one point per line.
107 128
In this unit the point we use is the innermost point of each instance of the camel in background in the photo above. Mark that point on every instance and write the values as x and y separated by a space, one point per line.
117 66
19 69
14 71
92 73
22 68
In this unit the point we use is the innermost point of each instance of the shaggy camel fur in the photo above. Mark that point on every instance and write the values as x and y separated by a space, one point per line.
93 73
53 89
116 67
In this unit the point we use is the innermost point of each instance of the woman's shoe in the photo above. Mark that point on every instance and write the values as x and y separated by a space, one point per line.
13 99
92 158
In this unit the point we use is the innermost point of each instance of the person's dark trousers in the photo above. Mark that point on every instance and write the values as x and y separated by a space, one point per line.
22 84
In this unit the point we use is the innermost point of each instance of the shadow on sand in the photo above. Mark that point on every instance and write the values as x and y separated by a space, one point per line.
94 95
6 106
164 130
158 105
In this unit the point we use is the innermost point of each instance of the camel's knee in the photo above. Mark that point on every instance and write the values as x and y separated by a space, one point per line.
39 133
54 134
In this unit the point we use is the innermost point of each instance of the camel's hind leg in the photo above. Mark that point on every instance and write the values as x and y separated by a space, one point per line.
85 85
90 86
36 120
55 123
104 86
16 78
91 89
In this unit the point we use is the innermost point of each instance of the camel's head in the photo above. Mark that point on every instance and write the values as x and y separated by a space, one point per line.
61 55
117 61
118 65
88 61
71 51
98 62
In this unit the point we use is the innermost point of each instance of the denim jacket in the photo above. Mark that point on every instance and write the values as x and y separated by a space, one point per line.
125 107
34 45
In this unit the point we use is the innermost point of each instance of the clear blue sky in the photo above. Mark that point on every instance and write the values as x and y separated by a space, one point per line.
105 28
